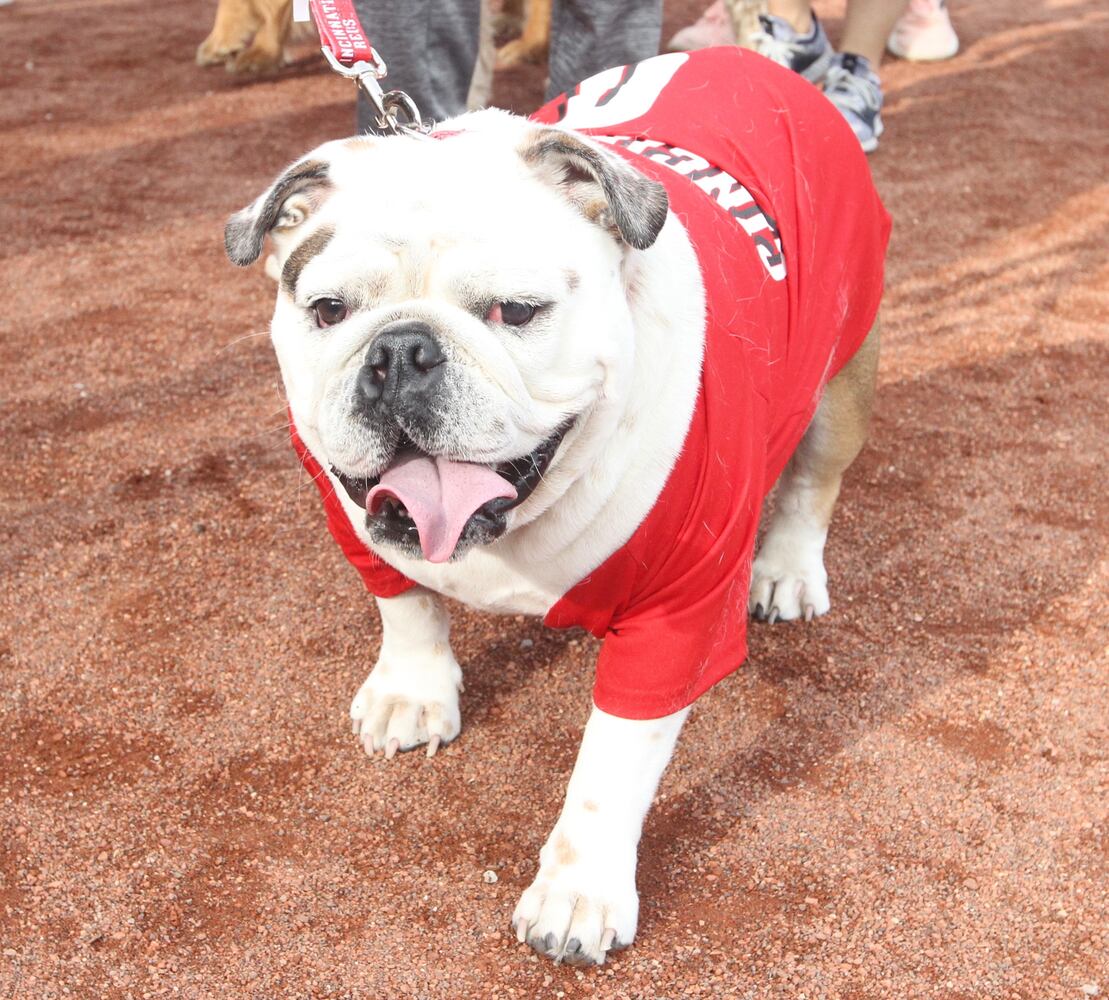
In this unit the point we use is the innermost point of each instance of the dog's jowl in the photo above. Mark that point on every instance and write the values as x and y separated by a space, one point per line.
553 366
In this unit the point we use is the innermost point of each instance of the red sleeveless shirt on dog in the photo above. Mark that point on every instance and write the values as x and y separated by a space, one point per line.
777 199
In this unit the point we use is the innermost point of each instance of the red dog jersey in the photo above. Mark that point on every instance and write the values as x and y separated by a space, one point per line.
776 196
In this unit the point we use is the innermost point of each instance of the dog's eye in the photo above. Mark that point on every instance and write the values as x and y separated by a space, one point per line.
329 311
511 313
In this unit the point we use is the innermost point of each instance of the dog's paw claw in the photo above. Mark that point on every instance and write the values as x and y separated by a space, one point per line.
573 951
788 578
578 916
254 60
212 53
386 718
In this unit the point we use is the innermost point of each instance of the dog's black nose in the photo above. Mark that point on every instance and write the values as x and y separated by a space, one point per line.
402 367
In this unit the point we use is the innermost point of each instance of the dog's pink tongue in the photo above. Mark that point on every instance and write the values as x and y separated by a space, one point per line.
441 496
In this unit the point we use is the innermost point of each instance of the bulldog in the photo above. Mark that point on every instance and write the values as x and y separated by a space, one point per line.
553 366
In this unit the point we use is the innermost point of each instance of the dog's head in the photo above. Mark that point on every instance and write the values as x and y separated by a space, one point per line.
448 312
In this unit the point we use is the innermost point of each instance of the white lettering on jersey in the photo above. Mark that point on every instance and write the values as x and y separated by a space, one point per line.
620 94
724 189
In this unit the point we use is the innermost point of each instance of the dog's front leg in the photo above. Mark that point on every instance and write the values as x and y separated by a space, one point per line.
411 695
583 902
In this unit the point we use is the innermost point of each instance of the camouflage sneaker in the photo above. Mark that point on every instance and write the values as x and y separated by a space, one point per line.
853 87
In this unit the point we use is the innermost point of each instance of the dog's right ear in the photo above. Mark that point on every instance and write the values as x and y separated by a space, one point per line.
286 204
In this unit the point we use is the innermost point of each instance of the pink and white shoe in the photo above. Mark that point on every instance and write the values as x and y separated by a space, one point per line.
713 27
924 33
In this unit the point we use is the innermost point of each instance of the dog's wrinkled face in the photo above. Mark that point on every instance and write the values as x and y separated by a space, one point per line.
448 311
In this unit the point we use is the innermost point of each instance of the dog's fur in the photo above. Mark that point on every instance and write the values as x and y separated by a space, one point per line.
407 228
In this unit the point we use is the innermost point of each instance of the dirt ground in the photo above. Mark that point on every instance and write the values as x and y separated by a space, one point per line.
906 800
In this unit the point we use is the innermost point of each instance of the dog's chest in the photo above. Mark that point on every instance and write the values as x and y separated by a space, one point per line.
489 584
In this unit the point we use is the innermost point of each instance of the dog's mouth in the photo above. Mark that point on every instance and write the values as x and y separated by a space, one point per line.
432 505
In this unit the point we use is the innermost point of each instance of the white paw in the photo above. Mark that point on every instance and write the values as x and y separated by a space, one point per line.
788 580
579 908
401 706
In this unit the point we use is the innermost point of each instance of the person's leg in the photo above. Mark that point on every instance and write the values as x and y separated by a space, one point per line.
867 26
791 35
852 83
588 36
430 48
713 27
797 13
924 32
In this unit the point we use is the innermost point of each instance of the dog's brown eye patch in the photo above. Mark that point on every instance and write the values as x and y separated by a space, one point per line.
329 311
511 313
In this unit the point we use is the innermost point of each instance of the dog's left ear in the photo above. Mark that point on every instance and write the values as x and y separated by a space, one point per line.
287 203
632 205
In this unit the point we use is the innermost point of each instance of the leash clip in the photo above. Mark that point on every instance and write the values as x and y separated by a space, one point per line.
394 111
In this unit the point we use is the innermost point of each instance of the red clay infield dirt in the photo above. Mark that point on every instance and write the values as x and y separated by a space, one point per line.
905 800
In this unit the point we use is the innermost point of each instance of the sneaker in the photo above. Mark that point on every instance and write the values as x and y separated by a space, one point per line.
713 27
809 54
853 87
924 33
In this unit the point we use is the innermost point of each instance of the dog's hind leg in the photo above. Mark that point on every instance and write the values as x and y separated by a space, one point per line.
532 45
788 579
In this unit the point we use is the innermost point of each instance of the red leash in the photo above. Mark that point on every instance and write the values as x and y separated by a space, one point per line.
347 49
342 33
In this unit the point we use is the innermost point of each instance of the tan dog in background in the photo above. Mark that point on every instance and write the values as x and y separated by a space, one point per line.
249 36
535 34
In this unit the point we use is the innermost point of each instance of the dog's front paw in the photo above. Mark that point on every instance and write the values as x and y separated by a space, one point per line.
401 706
212 51
578 908
256 59
788 579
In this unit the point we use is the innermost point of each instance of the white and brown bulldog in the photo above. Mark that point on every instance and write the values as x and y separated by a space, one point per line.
553 366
